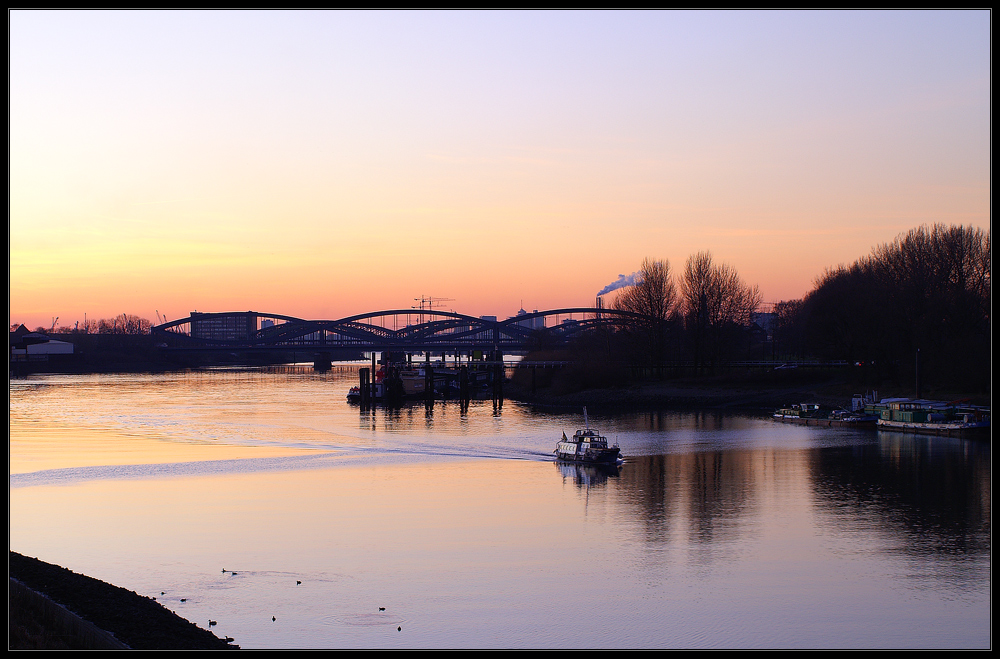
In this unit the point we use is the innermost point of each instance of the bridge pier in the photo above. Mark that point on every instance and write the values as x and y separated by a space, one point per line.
463 384
498 376
428 376
322 362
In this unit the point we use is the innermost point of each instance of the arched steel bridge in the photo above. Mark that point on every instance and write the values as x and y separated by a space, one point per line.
395 329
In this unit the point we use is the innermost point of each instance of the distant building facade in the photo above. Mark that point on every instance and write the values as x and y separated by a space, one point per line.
34 346
223 326
535 323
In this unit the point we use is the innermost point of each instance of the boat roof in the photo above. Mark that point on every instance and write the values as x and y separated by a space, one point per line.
924 403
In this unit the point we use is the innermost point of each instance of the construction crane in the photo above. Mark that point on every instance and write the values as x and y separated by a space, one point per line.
429 303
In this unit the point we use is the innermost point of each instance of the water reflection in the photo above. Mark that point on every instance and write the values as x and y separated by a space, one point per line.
587 476
933 493
707 490
718 530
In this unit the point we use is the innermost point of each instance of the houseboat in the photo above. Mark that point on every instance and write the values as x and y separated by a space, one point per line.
932 417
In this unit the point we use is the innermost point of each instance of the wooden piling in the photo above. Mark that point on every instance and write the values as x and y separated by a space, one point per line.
364 386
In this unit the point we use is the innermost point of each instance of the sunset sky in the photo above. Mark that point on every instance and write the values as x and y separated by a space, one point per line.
322 164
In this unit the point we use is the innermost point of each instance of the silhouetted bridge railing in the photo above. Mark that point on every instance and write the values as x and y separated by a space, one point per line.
399 329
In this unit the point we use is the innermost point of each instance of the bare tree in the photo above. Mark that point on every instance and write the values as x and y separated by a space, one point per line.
134 324
124 324
90 326
654 295
716 302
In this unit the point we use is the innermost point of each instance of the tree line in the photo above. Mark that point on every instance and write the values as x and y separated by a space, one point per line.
927 293
121 324
925 296
706 317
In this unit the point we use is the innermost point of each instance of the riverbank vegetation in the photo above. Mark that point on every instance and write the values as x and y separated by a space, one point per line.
921 303
918 307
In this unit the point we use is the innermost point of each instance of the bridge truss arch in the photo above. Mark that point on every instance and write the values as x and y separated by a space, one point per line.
393 329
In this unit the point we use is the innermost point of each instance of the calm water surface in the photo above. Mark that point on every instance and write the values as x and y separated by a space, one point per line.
719 531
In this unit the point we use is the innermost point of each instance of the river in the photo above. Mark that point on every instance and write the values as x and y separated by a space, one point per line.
266 502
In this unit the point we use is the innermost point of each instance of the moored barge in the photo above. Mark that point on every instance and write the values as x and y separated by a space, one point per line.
932 417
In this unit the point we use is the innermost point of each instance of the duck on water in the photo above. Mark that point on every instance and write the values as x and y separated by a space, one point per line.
588 446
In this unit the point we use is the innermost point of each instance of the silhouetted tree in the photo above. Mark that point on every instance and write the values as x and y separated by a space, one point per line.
718 305
929 289
654 295
123 324
789 336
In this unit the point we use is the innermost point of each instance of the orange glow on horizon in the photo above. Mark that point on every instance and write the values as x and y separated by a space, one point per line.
356 168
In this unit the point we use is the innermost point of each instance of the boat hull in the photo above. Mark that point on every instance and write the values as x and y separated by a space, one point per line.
587 446
608 456
944 429
869 422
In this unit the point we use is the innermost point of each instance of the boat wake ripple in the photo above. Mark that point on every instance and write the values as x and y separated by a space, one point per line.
351 457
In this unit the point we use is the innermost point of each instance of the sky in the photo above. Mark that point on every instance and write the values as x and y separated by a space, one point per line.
324 164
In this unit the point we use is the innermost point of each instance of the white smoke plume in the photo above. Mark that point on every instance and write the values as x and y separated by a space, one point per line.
621 282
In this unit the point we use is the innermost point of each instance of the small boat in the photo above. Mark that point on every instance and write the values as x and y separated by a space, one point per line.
588 446
810 414
851 419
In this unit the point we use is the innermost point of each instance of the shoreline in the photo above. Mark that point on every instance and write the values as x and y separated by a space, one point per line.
51 607
719 394
749 390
